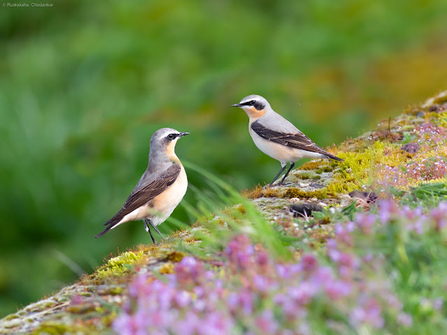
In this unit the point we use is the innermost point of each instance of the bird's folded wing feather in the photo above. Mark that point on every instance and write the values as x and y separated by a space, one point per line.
146 193
296 140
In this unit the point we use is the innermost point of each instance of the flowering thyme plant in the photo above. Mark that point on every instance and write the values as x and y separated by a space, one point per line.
353 284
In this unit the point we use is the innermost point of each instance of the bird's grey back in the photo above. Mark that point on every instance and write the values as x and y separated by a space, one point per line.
274 121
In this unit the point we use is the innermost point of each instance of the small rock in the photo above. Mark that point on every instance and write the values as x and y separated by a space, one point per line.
419 114
438 108
305 209
434 108
411 148
369 197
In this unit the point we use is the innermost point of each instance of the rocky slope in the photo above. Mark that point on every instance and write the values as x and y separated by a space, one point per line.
402 159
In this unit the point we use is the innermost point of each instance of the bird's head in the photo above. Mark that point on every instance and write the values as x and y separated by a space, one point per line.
254 105
163 142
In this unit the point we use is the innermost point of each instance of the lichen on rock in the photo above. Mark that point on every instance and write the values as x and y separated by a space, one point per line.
403 159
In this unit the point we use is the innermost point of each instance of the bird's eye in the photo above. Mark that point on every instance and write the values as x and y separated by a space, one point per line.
258 105
172 136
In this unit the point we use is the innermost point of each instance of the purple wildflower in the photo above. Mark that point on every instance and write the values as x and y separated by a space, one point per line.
365 222
343 233
182 299
439 215
239 252
303 293
189 271
405 319
246 301
367 313
261 283
189 325
308 263
215 323
337 289
438 303
388 210
266 323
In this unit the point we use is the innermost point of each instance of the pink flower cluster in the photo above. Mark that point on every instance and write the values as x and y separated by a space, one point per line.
425 169
428 137
158 307
344 288
429 134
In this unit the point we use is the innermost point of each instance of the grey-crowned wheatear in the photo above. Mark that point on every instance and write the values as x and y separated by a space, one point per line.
160 189
277 137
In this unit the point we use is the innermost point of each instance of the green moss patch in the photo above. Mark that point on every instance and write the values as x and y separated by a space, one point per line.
120 265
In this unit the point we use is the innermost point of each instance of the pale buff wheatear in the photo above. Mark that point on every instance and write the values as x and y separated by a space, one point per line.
160 189
277 137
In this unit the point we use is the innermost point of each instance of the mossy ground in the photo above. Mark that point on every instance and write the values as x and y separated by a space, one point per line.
90 305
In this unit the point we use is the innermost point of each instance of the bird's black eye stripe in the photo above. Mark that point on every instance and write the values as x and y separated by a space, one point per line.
248 103
256 104
172 136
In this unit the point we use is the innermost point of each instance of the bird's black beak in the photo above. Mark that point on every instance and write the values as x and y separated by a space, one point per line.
182 134
236 105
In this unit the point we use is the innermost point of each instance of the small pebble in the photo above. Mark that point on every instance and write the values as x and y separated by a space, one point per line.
411 148
370 197
305 209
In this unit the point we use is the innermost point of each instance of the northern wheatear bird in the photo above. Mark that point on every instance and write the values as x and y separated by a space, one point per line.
160 189
277 137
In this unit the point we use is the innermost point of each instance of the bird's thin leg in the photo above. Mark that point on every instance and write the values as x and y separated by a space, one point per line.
287 173
146 227
283 166
156 229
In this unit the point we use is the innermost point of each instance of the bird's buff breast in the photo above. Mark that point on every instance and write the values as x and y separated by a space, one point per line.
166 202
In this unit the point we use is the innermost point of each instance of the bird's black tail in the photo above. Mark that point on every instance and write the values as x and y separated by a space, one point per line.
111 223
334 157
104 231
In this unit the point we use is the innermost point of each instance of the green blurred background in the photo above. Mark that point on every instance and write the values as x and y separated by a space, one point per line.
84 85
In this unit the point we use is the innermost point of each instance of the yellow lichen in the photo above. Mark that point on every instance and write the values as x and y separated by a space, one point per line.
167 268
119 265
294 192
308 175
324 168
52 328
241 209
271 192
360 168
440 99
175 256
442 119
259 191
254 193
110 290
312 165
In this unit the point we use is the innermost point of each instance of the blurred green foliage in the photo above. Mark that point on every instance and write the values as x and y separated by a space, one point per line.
84 85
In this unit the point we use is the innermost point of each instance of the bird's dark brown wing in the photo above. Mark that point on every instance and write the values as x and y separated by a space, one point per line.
144 195
293 140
